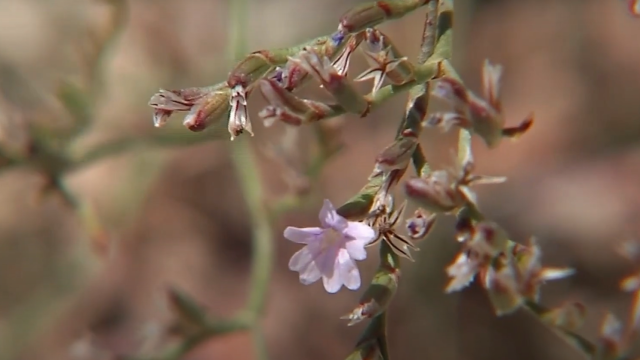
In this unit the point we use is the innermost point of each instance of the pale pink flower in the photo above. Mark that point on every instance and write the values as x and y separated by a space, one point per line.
331 250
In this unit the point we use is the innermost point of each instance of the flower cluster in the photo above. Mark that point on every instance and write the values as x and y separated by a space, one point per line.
482 116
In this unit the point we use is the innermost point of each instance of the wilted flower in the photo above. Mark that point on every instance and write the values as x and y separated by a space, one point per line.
205 105
239 115
482 116
331 250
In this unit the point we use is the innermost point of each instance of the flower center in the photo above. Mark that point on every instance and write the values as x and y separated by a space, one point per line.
330 238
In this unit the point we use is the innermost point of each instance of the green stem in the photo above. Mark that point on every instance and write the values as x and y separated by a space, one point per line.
247 169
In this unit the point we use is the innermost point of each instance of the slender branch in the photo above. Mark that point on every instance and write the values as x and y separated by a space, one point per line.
247 170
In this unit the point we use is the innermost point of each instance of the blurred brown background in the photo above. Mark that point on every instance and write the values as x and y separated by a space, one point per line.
177 217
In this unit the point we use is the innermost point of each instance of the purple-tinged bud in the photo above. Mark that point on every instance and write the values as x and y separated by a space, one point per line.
420 225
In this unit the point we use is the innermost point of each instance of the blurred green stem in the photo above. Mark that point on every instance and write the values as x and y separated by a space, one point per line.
247 169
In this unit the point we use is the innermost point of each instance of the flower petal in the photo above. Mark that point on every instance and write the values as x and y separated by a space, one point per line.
326 260
360 232
329 218
310 274
332 283
348 271
302 235
304 263
302 258
356 249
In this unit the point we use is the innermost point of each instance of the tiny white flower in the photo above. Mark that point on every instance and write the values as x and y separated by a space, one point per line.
331 250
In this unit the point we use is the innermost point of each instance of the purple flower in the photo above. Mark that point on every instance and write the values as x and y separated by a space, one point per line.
330 250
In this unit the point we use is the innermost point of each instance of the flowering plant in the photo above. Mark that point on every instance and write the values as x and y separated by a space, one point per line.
399 203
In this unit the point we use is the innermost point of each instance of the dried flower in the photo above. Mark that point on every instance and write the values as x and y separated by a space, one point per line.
482 116
342 61
486 242
205 105
384 61
239 115
384 221
517 275
330 250
287 107
340 87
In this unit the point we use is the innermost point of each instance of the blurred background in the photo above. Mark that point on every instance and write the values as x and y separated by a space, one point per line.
84 276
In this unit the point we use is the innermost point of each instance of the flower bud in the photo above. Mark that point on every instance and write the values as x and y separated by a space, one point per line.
420 225
434 192
206 106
